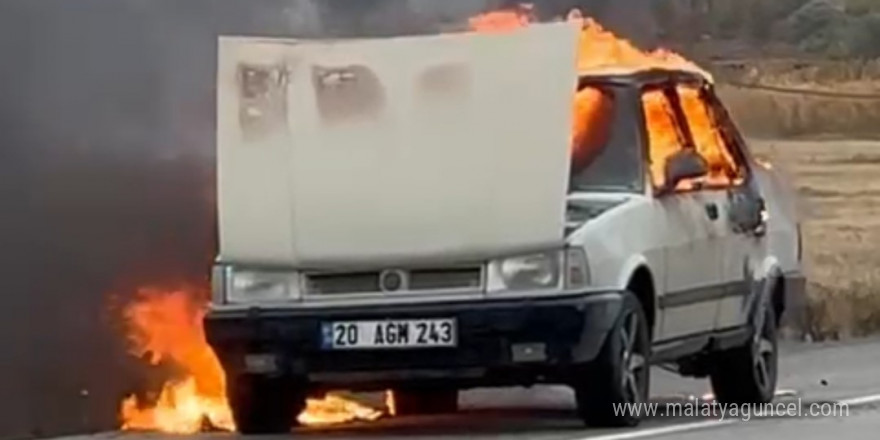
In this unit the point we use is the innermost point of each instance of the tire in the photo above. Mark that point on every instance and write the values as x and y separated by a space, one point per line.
620 374
262 405
408 402
748 374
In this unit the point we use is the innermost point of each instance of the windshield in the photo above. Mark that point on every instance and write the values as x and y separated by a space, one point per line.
605 148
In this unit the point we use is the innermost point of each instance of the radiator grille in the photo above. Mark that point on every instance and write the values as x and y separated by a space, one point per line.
423 279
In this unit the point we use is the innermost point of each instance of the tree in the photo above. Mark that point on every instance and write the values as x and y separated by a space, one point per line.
863 36
817 27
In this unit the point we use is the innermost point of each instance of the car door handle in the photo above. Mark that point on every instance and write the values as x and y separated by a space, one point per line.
712 211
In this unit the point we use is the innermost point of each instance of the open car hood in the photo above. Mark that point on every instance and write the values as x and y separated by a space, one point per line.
394 151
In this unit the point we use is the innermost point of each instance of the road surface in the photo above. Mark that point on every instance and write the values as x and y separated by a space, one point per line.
810 374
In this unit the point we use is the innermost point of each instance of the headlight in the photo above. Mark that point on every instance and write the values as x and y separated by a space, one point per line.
540 270
536 271
548 270
247 286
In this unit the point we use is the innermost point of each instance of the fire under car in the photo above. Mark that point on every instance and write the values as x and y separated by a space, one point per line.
427 214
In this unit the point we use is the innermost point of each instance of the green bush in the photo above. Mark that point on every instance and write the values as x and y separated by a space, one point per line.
831 28
863 36
813 24
861 7
834 29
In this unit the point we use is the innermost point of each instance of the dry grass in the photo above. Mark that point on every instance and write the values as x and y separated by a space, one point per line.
772 115
839 185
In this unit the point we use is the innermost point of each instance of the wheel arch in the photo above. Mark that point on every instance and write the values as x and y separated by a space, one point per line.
640 281
771 278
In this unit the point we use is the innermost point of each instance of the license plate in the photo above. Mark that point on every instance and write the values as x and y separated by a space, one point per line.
415 333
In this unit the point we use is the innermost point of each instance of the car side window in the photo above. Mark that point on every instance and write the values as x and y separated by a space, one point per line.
724 168
665 136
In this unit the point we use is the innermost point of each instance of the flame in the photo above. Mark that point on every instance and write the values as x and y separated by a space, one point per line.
593 110
180 409
334 409
502 20
165 328
708 139
390 403
664 138
599 51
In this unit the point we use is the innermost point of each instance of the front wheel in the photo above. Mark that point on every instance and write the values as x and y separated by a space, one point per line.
264 405
609 390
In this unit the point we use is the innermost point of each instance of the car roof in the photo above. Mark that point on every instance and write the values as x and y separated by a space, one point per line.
641 78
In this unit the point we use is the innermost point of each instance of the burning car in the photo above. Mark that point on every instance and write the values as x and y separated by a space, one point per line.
427 214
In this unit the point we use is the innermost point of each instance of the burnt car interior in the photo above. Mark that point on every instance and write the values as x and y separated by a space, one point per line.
665 111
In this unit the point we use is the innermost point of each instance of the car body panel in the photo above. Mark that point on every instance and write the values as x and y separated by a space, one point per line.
672 237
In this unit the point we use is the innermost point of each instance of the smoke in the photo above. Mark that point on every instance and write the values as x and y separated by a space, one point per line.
107 122
107 111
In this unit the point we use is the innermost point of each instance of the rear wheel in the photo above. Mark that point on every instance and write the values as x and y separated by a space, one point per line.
618 379
425 401
747 374
263 405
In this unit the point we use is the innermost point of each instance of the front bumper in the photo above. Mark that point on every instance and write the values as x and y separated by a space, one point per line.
500 342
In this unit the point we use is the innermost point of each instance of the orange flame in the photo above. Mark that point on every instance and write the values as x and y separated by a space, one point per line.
165 327
180 409
599 51
334 409
502 20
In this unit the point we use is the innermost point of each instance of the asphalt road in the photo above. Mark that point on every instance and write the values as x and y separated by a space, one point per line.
811 376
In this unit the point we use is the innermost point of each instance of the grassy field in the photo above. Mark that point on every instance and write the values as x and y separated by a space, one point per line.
839 186
780 115
773 115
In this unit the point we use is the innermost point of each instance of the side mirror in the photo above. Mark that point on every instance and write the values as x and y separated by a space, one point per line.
684 164
747 212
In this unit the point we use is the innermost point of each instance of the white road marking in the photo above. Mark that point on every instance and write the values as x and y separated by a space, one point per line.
787 393
864 400
663 430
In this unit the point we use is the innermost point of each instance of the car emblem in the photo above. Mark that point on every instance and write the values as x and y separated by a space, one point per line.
391 280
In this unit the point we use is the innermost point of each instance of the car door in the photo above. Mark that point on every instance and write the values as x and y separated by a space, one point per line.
689 301
727 185
745 245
